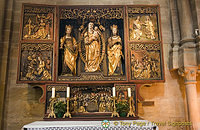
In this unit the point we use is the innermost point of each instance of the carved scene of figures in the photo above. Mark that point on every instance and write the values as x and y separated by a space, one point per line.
36 62
38 23
91 99
143 24
145 61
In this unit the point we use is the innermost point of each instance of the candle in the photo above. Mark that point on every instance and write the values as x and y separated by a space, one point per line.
53 92
113 91
68 92
129 92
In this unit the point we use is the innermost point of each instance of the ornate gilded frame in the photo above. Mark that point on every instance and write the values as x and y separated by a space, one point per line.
55 43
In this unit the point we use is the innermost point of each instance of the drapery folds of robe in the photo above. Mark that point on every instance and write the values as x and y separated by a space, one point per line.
70 53
114 54
92 52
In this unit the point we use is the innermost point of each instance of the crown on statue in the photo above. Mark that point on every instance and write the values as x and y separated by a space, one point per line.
113 26
68 26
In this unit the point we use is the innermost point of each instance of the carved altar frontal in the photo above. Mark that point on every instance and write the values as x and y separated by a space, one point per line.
90 49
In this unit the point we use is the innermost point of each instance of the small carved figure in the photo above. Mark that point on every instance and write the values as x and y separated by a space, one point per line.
114 51
40 66
137 28
30 28
109 104
43 30
150 34
31 67
46 75
75 105
102 105
81 109
68 42
136 69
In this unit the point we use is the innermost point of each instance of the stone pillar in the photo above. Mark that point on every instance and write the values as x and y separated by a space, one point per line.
2 86
187 60
5 26
198 48
187 49
2 11
186 23
190 74
175 36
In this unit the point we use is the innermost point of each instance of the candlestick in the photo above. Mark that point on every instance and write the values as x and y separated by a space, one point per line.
114 92
53 93
131 112
67 114
68 92
114 113
129 92
52 102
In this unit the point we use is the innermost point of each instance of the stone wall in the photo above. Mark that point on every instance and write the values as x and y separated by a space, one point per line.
21 102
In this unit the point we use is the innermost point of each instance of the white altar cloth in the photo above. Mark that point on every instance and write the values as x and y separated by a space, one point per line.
91 125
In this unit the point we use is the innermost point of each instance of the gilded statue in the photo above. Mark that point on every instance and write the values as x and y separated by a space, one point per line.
92 47
114 51
69 44
150 34
137 28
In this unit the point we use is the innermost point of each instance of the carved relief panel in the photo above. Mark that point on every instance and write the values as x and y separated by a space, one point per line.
36 62
38 23
145 60
145 44
37 42
143 23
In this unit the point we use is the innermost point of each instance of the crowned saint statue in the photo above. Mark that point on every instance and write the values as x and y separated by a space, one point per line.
114 51
69 44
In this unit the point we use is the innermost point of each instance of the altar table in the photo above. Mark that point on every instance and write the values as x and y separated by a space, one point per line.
91 125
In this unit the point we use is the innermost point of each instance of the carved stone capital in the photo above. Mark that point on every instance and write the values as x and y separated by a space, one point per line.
189 73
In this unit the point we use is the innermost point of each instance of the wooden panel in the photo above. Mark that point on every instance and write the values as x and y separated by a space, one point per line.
133 54
145 44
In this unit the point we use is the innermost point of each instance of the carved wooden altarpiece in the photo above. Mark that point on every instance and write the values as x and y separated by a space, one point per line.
90 49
